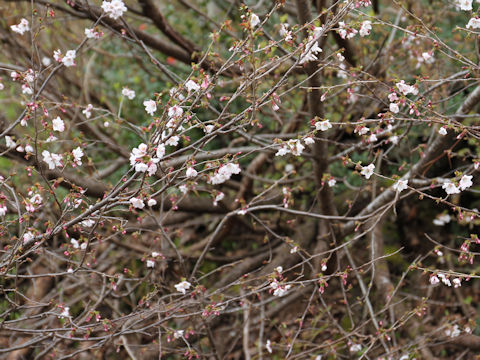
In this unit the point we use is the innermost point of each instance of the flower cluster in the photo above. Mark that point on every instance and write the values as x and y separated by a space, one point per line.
114 9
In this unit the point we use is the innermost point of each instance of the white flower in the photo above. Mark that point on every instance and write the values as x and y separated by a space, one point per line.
311 48
53 160
406 89
296 147
92 34
173 141
65 312
309 140
454 332
46 61
279 269
58 124
465 5
323 125
254 20
394 108
281 290
365 28
224 173
77 155
88 111
150 264
282 151
137 203
152 202
465 182
400 185
175 112
442 220
138 153
26 89
9 142
393 139
183 287
21 28
155 254
457 282
450 188
372 138
428 57
28 237
128 93
114 8
268 346
218 198
192 86
285 33
69 58
209 129
340 57
178 334
76 245
355 348
332 182
57 55
473 23
3 210
141 167
191 172
345 32
442 131
160 151
150 106
367 171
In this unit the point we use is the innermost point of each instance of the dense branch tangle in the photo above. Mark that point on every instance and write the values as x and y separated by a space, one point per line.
267 189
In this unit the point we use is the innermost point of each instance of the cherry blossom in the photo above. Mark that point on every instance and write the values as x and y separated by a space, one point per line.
130 94
150 264
465 5
473 23
191 172
93 34
151 202
224 173
77 155
254 20
311 47
450 188
9 142
58 124
465 182
53 160
183 286
442 220
346 32
394 108
365 28
400 185
323 125
150 106
88 111
21 28
192 86
442 131
69 58
137 203
114 9
367 171
406 89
